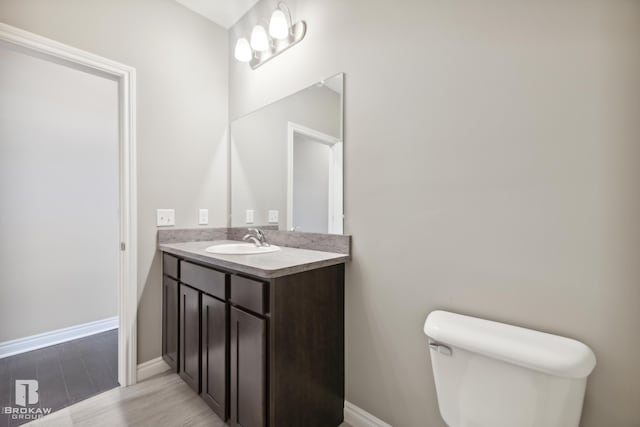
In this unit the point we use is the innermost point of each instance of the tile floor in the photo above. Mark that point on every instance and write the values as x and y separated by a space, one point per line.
67 373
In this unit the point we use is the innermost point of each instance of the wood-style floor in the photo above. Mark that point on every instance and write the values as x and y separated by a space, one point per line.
66 373
161 401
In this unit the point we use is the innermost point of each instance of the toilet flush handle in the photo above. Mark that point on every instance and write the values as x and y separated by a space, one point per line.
440 348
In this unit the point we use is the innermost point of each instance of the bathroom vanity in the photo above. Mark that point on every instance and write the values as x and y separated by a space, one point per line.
259 337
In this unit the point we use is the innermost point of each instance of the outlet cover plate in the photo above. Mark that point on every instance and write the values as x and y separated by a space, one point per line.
203 217
274 217
165 217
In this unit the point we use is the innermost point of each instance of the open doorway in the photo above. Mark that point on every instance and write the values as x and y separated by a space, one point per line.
67 319
314 181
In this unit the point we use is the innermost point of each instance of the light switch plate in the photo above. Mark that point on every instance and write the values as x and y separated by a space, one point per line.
249 216
203 217
165 217
274 217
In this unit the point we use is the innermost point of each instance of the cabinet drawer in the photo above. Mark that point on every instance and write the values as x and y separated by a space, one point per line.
249 294
170 265
207 280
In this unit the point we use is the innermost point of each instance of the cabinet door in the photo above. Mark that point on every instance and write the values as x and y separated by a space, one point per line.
214 354
190 336
248 357
170 322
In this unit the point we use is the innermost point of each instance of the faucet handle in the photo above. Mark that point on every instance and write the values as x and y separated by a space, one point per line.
260 236
258 232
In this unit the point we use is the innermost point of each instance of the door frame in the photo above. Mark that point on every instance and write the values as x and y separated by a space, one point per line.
125 75
336 213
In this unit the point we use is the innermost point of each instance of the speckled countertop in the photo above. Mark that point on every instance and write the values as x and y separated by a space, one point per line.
284 262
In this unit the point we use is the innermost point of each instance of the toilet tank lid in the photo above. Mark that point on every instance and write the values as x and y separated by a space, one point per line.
551 354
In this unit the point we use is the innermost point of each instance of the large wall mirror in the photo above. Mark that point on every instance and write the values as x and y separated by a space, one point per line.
287 162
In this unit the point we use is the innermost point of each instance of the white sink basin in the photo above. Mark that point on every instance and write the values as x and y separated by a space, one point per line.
241 249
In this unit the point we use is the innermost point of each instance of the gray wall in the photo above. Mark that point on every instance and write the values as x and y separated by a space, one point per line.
498 143
259 150
181 63
59 196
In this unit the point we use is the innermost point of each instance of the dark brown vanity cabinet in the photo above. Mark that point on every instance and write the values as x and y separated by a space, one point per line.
261 352
248 369
190 336
214 354
170 345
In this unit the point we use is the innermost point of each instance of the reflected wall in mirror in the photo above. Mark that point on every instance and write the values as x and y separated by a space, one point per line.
287 162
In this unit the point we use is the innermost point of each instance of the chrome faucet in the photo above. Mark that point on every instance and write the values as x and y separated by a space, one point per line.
258 239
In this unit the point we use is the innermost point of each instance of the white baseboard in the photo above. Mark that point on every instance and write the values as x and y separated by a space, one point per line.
358 417
34 342
152 367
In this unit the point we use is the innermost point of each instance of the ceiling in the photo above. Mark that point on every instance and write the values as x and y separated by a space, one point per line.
223 12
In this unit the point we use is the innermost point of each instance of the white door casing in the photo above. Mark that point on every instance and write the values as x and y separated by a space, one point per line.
126 77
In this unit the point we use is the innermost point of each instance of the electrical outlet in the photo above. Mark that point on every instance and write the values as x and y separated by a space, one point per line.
249 216
274 217
203 217
165 217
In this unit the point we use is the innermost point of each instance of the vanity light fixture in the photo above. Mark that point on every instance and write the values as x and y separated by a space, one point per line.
283 34
279 25
243 52
259 39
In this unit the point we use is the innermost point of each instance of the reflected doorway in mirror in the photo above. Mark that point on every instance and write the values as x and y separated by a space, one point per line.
314 181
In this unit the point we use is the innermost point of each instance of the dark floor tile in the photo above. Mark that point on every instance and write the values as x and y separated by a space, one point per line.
111 339
53 390
109 345
100 347
76 377
4 365
66 372
48 360
24 366
100 373
112 363
5 389
17 422
68 351
86 346
108 339
41 353
5 382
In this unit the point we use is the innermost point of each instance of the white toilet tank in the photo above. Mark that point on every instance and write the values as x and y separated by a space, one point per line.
489 374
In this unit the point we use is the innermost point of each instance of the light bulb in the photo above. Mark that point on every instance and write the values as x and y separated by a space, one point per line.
259 39
243 51
278 26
